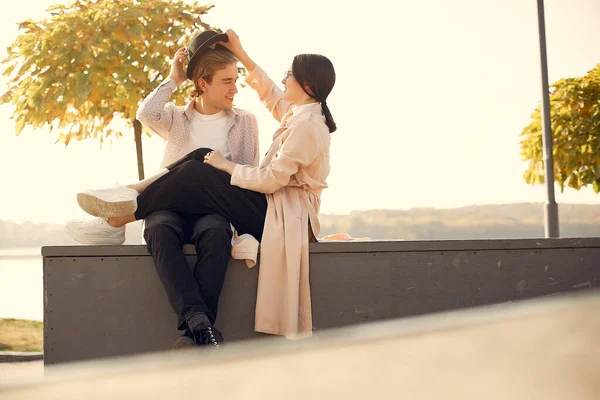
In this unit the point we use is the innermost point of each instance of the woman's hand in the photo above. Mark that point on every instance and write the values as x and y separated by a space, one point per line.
217 160
234 44
177 72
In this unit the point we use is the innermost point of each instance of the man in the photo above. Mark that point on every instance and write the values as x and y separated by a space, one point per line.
209 120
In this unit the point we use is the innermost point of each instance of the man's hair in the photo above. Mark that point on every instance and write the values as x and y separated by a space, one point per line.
209 63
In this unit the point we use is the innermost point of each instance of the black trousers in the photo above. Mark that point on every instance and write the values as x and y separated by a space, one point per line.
191 186
194 202
195 289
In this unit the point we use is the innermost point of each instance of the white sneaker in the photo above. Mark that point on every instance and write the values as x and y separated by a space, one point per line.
118 201
95 231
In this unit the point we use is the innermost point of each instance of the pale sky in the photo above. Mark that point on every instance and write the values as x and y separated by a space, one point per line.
430 99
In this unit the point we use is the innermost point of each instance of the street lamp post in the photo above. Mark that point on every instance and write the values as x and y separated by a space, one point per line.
551 208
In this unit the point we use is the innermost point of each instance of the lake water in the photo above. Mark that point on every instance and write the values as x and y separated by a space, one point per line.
21 284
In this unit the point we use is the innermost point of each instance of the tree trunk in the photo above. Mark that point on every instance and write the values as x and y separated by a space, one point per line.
137 131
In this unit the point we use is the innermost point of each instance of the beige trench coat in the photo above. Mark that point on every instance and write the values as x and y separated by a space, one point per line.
292 176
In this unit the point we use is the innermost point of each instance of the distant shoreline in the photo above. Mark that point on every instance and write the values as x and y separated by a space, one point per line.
504 221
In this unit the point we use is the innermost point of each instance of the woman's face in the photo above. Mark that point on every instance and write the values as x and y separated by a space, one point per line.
293 91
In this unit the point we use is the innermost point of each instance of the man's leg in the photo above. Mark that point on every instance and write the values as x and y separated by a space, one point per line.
164 236
196 187
211 235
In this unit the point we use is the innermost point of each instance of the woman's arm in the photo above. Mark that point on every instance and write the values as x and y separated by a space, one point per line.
268 92
300 148
238 50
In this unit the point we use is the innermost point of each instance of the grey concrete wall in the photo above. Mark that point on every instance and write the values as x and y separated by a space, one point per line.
103 301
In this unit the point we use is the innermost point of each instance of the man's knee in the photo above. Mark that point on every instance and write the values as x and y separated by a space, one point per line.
212 228
162 226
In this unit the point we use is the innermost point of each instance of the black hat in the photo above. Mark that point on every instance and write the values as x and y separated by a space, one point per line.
201 43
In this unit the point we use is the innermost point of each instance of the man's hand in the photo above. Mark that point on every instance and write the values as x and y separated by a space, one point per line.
217 160
177 72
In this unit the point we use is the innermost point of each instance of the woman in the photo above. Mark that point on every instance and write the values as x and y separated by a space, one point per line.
277 202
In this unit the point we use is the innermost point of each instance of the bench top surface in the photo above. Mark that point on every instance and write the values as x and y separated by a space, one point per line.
354 247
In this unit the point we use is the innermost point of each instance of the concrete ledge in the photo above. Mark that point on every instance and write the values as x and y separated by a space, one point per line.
104 301
354 247
544 349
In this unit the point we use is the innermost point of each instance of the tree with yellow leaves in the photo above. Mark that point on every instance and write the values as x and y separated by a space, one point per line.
88 65
575 118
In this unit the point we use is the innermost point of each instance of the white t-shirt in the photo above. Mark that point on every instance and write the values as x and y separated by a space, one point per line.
209 131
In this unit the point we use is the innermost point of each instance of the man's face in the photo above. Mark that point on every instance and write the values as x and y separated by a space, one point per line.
220 92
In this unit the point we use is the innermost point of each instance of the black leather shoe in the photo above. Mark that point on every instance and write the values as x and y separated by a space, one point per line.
184 341
207 337
218 336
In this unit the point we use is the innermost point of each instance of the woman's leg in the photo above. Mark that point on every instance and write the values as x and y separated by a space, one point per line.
195 187
143 184
120 201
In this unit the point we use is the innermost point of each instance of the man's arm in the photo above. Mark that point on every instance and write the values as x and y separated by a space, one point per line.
155 112
245 148
255 142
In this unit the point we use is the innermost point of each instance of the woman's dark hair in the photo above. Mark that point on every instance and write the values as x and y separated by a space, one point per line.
316 72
